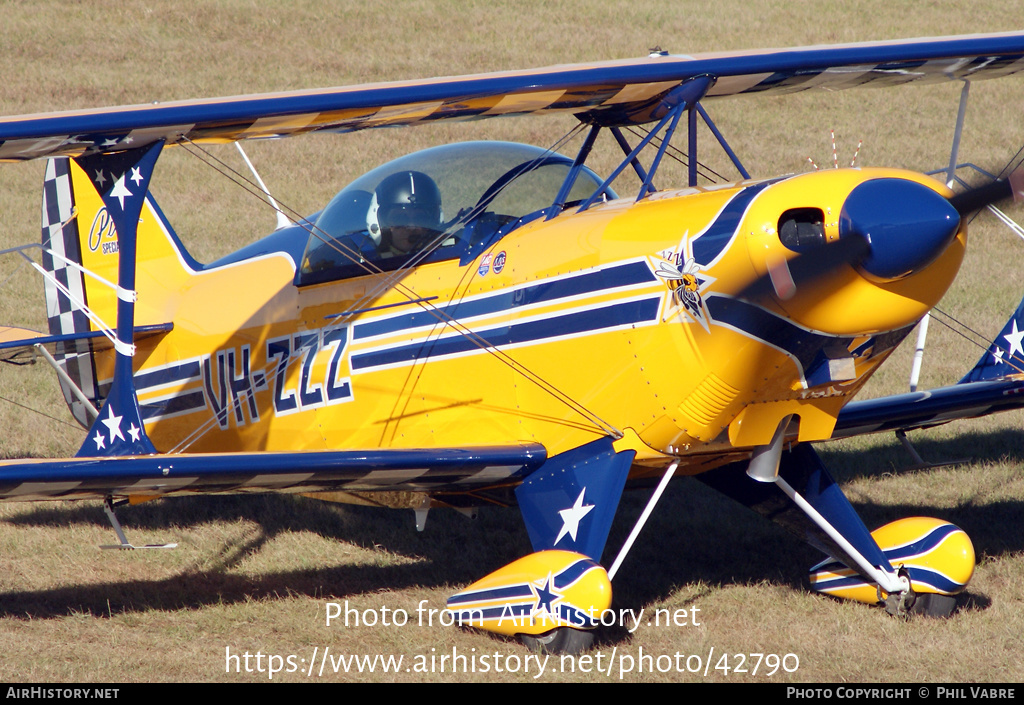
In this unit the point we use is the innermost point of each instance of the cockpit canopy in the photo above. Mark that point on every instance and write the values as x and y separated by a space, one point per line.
440 203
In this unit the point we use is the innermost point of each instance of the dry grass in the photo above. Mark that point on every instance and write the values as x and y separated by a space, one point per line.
256 573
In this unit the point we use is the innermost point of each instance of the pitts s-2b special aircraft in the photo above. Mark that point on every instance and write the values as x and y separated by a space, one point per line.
489 322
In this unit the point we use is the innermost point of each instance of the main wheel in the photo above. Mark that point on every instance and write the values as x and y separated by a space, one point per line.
932 604
564 640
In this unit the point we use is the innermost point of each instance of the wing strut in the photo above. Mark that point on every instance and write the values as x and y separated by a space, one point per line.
75 389
644 516
627 150
954 152
570 178
680 98
722 141
669 132
692 148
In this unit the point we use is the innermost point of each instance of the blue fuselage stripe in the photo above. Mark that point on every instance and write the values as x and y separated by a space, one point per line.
178 404
776 331
619 276
531 331
167 375
710 244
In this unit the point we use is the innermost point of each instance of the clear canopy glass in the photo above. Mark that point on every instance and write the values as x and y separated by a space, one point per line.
485 189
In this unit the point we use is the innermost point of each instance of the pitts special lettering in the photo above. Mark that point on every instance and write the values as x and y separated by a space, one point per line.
103 228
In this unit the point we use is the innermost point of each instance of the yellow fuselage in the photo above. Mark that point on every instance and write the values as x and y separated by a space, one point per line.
623 313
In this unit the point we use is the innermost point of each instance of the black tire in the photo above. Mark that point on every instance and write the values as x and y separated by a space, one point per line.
564 640
931 604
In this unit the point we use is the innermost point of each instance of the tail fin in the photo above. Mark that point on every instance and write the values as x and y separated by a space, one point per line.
1005 355
78 232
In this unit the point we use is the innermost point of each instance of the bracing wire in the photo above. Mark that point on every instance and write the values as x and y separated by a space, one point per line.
392 280
974 336
680 156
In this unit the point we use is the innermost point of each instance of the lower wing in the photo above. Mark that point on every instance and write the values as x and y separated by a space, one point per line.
434 469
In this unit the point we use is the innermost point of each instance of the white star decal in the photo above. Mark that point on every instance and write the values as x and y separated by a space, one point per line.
571 517
134 432
99 440
120 191
1014 339
109 142
100 178
997 356
113 423
136 175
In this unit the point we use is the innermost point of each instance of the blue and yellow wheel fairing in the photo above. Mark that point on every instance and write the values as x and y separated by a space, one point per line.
938 557
535 594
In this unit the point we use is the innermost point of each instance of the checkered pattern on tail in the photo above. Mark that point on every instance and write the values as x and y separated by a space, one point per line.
63 315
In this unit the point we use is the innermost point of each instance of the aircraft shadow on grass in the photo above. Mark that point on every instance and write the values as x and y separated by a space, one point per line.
702 538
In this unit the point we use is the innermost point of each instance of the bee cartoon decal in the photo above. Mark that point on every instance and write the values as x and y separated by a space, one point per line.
686 283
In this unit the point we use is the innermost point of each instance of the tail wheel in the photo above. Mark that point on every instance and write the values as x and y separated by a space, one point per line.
564 640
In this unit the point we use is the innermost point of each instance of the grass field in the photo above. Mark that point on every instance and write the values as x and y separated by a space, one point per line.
256 574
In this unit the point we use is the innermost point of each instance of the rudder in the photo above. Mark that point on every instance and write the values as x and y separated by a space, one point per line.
65 314
76 230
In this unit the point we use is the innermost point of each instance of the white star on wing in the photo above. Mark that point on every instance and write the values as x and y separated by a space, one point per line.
113 423
134 431
99 440
1014 339
100 178
120 191
571 517
136 175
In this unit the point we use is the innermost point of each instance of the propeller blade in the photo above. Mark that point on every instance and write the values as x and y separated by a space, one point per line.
785 277
977 198
889 228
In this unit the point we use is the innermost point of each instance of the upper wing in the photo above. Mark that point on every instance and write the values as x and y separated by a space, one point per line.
622 91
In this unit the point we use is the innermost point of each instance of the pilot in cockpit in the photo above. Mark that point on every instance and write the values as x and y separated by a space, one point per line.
408 213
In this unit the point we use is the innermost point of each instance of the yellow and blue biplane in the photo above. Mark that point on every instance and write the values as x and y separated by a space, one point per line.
491 323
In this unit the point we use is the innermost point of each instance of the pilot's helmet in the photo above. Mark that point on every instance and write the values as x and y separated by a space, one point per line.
408 199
